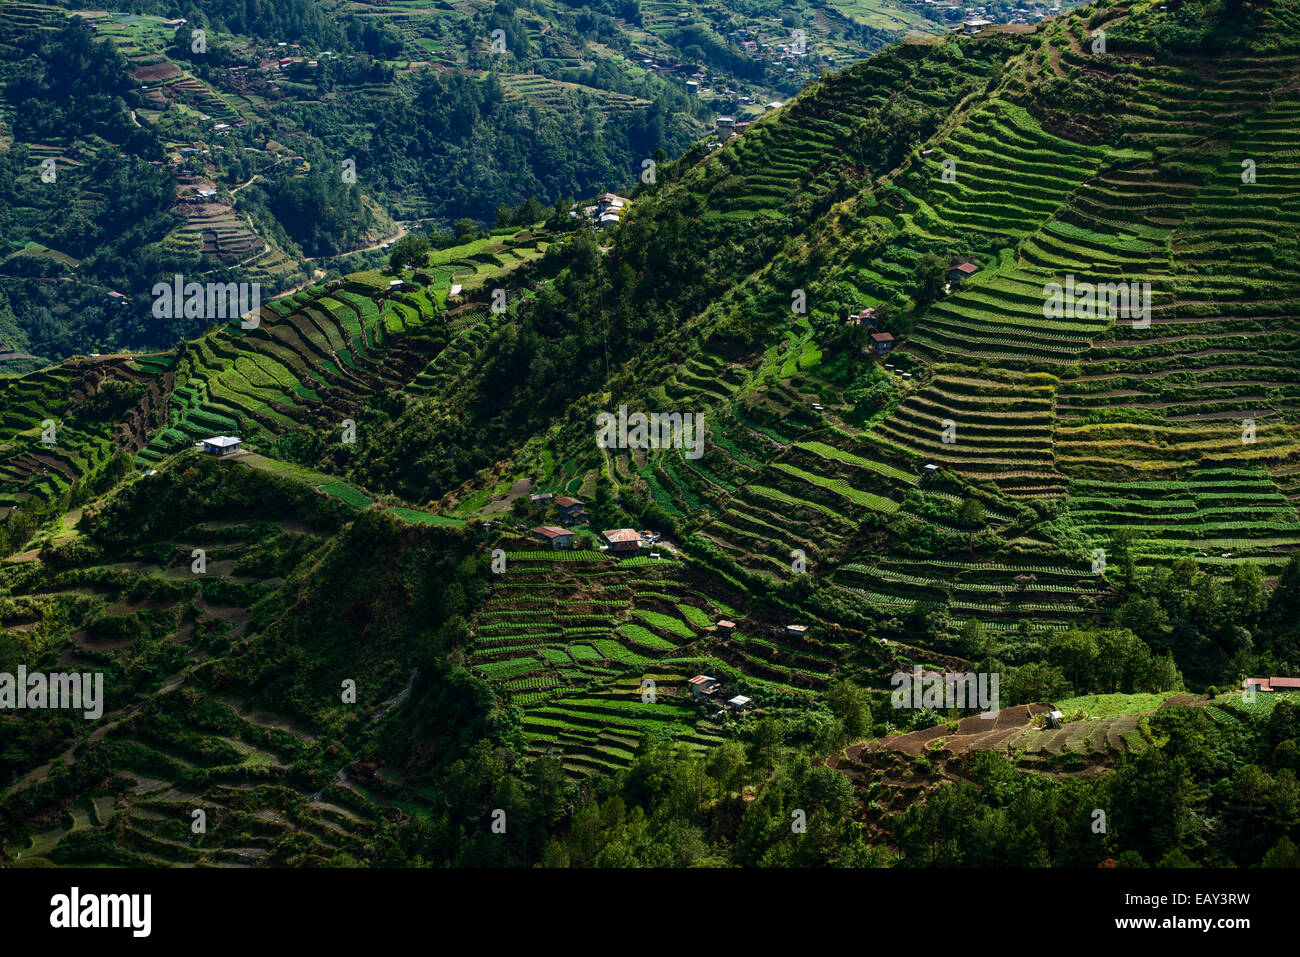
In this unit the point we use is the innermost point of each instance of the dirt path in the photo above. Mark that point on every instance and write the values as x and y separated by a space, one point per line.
365 249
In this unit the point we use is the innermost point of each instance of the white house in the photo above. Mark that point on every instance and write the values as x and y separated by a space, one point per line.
220 445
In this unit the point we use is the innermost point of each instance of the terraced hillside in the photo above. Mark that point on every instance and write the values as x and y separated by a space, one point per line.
1065 428
176 732
345 643
598 651
314 359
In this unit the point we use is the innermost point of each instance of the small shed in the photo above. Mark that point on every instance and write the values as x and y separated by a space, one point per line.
740 704
881 342
702 686
221 445
1054 719
796 631
959 271
726 627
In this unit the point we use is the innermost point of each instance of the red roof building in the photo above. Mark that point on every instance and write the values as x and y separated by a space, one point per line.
622 539
556 536
1271 684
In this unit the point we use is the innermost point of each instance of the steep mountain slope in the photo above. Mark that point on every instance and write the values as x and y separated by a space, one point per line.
1074 452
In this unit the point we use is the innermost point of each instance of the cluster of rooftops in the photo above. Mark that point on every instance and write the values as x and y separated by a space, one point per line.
708 688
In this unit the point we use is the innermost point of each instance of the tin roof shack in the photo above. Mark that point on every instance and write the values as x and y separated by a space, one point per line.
1054 719
1271 684
740 705
958 272
704 686
572 511
796 631
622 540
556 536
726 627
881 342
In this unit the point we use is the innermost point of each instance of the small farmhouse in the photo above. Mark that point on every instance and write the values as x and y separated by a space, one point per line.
881 343
740 704
796 631
621 539
220 445
703 686
1271 684
570 508
556 536
959 271
726 627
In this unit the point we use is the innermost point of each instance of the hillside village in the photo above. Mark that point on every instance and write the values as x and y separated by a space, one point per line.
366 539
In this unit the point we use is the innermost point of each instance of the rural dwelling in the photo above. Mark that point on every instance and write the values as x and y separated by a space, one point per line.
929 473
726 627
221 445
865 317
558 537
881 343
796 631
959 271
610 201
975 26
542 498
1271 684
622 539
702 686
740 704
454 292
726 127
569 507
607 220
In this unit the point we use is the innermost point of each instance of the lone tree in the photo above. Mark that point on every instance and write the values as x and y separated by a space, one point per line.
409 251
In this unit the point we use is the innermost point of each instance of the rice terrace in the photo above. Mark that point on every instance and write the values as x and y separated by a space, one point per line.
650 434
